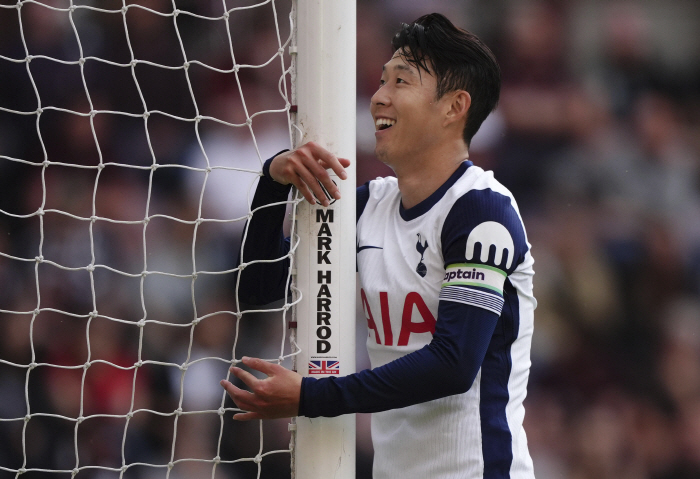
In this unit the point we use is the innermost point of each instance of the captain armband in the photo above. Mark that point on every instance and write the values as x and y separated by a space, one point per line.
474 284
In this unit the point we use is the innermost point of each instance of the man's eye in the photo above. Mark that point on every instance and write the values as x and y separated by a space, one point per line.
400 80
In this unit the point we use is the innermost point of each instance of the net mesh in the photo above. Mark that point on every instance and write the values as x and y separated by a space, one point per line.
132 134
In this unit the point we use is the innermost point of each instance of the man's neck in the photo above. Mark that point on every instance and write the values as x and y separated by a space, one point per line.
422 177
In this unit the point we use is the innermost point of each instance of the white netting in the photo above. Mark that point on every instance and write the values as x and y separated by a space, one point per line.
132 134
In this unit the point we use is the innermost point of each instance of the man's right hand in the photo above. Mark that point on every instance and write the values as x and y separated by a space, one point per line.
305 167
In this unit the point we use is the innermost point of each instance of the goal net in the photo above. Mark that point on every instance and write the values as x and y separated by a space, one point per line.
132 135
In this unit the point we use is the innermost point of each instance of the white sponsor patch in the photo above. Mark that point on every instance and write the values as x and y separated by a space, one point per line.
491 233
466 274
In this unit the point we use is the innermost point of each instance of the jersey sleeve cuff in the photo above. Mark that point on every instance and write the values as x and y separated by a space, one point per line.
304 410
270 183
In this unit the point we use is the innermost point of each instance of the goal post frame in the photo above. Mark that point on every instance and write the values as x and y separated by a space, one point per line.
324 92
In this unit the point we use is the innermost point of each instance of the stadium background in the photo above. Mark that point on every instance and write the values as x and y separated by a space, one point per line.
597 135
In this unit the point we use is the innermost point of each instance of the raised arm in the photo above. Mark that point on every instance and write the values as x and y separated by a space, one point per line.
263 239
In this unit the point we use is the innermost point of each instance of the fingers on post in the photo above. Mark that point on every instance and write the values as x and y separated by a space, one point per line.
329 160
318 178
300 185
310 174
316 160
296 171
305 168
326 160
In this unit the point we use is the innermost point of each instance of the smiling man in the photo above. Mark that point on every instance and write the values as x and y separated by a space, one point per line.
446 283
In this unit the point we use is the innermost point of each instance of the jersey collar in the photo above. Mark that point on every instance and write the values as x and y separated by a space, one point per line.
408 214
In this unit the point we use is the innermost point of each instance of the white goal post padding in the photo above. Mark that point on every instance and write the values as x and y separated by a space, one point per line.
132 135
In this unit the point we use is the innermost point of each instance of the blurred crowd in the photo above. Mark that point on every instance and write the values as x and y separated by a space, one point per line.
597 135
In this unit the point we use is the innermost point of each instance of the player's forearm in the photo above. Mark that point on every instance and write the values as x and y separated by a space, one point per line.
446 367
263 239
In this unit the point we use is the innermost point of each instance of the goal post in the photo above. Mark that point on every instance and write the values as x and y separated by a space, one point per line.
324 90
132 134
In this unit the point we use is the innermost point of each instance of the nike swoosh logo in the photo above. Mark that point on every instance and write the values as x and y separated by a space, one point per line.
360 248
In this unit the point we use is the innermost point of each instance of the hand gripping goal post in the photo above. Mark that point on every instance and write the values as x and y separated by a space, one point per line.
132 135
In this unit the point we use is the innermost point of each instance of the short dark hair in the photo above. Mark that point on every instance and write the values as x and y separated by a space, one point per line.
459 61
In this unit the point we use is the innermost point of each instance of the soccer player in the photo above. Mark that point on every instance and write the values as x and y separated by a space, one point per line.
445 269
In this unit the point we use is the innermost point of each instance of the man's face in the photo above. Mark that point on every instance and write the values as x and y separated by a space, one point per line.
407 116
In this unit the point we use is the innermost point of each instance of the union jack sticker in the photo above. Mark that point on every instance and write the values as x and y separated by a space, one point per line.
324 367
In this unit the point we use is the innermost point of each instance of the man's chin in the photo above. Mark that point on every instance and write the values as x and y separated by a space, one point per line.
381 154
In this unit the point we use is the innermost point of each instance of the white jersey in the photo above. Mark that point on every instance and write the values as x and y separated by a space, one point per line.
466 244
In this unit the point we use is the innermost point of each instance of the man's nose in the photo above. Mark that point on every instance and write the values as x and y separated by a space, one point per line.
380 97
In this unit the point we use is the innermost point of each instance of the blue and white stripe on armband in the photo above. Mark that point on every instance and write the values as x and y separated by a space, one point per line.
474 284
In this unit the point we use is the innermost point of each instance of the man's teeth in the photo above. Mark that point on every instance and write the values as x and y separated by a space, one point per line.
382 123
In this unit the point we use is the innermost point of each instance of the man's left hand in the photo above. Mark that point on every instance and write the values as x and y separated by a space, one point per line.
274 397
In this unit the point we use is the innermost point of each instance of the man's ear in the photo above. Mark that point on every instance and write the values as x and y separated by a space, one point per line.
460 101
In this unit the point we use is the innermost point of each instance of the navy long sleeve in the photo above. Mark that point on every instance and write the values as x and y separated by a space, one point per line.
447 366
263 283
